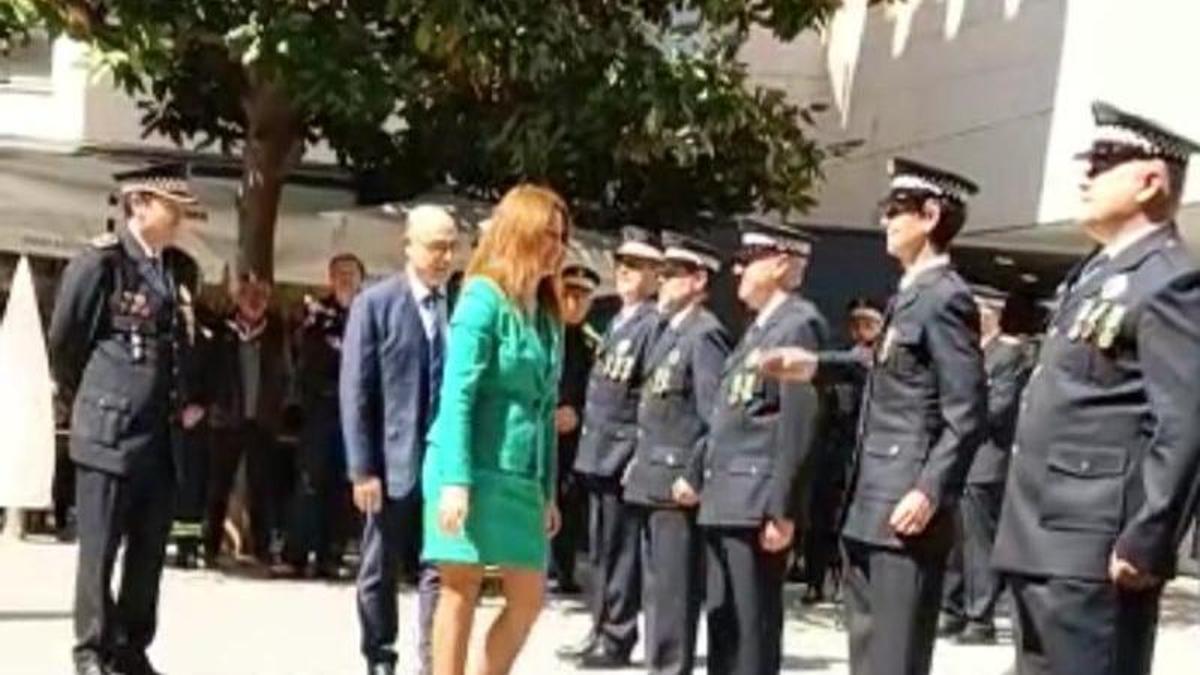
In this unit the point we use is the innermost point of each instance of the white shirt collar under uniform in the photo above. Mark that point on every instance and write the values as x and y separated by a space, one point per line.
1127 239
919 268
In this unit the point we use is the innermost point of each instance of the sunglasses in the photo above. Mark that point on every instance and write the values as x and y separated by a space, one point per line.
1104 157
899 205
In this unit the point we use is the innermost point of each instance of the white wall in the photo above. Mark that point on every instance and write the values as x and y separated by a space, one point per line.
998 89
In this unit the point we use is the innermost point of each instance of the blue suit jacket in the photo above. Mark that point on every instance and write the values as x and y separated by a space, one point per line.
383 387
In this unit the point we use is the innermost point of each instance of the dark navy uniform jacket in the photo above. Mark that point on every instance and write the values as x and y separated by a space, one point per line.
1006 362
1107 453
923 414
609 434
761 430
678 399
119 341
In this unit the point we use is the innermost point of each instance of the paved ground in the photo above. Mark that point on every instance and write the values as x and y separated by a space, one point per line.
218 625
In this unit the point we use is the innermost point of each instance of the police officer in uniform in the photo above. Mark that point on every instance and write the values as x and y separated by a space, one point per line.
678 399
922 419
580 342
606 445
1106 463
751 474
972 586
119 338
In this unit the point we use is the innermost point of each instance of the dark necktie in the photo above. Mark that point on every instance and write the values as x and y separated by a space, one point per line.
437 350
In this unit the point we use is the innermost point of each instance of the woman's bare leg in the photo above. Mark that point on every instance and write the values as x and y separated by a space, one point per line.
453 617
524 595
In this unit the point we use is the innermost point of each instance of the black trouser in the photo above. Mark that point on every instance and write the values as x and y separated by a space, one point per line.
972 587
564 547
674 578
1070 626
192 498
321 500
387 538
134 510
819 543
62 489
891 602
265 473
744 603
616 560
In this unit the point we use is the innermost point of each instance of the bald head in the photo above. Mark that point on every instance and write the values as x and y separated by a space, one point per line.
431 237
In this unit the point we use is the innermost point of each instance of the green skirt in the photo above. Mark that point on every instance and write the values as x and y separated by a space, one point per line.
505 523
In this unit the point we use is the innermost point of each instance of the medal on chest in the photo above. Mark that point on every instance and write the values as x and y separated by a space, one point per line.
745 380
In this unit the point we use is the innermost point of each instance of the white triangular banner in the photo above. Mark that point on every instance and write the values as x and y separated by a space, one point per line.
26 403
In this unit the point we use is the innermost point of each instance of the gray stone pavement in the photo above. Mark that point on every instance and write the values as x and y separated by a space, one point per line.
213 624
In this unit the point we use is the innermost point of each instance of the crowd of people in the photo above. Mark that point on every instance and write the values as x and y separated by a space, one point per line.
473 428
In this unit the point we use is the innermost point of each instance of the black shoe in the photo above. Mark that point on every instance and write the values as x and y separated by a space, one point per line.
134 663
978 634
950 626
90 664
381 668
577 651
812 596
603 659
568 587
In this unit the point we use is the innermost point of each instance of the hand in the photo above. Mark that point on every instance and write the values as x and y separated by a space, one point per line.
452 508
191 416
566 420
865 355
553 519
1124 574
789 363
777 534
912 514
683 493
368 494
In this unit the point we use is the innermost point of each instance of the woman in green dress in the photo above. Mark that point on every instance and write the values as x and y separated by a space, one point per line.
488 477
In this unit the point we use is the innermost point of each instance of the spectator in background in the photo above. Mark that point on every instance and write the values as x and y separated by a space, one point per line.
489 477
322 491
579 349
248 379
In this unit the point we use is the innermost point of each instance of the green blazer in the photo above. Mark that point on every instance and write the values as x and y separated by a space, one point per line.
499 392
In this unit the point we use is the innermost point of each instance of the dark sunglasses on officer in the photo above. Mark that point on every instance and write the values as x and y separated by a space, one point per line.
1103 157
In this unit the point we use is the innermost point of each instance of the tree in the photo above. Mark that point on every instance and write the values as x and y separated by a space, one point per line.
632 108
17 17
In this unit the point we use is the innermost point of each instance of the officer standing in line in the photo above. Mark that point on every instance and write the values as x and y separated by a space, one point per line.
923 417
683 379
606 445
321 502
119 340
972 586
752 473
580 342
1106 462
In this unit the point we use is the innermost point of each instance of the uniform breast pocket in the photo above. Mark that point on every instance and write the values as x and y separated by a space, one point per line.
889 467
102 418
1084 489
903 352
748 479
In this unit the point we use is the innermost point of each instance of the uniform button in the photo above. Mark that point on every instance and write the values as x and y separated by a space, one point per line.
1053 331
708 473
1037 369
641 434
1016 448
1085 465
753 470
670 459
894 450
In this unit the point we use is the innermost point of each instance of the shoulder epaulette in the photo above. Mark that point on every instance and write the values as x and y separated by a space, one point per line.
105 240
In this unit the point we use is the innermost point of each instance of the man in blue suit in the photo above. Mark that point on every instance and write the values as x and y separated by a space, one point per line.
392 356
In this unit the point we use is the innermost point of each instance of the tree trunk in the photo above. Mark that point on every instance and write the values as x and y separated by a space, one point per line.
274 145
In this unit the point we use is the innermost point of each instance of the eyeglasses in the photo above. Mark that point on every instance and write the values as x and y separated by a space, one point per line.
894 207
753 253
675 269
636 264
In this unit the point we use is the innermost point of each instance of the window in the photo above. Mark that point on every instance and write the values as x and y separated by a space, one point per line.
29 62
